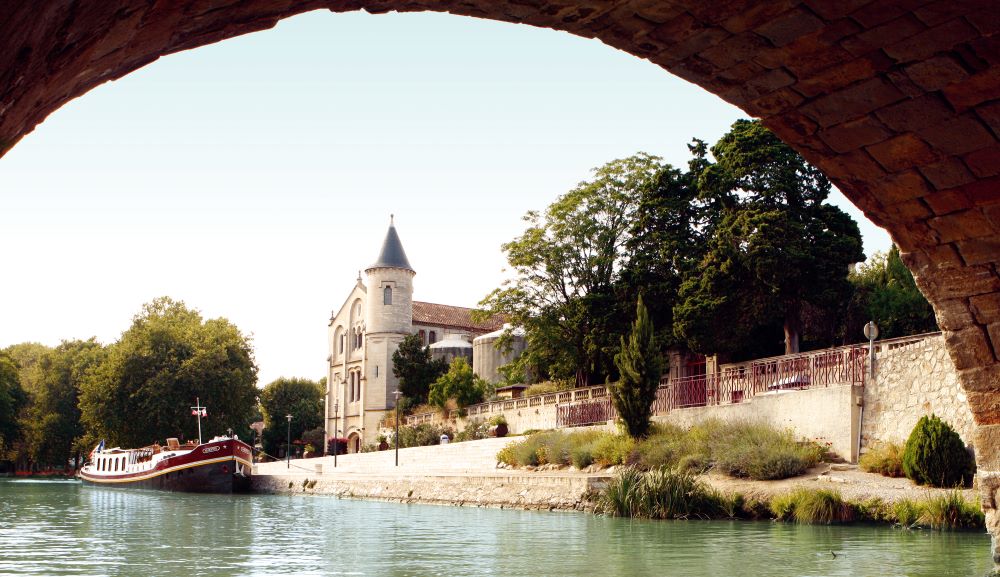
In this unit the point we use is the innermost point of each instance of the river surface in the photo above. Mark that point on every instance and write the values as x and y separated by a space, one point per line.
64 528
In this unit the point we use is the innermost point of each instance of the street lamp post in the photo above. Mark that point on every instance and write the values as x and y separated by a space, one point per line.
396 393
288 445
336 431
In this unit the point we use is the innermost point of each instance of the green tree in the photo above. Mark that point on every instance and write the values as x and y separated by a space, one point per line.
55 433
567 266
143 391
460 384
639 366
301 398
12 399
416 370
885 292
775 247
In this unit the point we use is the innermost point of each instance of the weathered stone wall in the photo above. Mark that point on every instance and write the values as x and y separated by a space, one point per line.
912 381
523 491
825 415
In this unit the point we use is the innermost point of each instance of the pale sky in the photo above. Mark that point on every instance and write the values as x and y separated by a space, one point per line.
253 178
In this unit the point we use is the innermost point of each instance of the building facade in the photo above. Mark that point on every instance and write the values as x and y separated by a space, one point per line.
378 313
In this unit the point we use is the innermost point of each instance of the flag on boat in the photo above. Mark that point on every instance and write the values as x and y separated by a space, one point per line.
98 448
199 412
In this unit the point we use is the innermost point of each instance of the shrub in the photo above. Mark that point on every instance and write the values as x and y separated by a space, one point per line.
760 452
935 455
422 435
952 511
473 430
886 459
612 449
660 494
582 457
546 388
873 509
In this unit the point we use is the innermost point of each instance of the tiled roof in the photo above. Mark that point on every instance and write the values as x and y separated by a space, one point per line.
449 316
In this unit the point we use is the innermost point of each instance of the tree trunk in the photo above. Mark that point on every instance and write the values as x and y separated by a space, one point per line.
793 326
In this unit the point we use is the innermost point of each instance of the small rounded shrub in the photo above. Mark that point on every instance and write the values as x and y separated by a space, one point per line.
886 459
935 455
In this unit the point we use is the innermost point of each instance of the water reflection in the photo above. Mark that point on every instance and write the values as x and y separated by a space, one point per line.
53 528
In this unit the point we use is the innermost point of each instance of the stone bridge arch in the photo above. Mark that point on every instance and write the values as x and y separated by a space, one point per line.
898 101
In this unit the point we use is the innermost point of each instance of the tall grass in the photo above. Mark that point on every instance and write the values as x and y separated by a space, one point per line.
746 449
885 459
814 507
952 511
660 494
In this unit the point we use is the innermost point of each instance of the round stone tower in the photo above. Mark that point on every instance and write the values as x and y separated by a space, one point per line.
390 289
388 320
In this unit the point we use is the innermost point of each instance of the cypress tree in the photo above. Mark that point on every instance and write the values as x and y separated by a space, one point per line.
639 365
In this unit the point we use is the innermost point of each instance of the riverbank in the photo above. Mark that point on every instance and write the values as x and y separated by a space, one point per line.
467 474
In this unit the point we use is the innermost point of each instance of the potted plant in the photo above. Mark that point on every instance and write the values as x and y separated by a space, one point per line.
310 452
498 426
383 443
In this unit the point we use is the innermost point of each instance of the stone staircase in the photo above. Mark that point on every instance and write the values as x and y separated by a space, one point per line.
468 458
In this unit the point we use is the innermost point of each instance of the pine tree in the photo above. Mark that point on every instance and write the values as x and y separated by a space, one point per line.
639 365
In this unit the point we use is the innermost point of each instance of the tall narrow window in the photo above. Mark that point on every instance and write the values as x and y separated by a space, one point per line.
423 337
387 296
433 338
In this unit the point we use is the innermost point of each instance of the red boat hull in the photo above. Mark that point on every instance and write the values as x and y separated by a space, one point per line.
218 467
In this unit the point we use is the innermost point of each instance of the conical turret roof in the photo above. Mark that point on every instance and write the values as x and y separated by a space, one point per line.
392 254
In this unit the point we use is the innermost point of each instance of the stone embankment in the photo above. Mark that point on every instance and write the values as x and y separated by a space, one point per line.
464 474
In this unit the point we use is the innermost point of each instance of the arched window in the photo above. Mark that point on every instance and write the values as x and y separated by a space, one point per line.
433 338
423 337
342 339
387 296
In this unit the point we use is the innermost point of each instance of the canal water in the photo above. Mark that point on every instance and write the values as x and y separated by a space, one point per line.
64 528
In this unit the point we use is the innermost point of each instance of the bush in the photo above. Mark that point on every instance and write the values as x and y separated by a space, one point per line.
473 430
423 435
611 450
761 452
906 512
547 388
624 496
886 459
935 455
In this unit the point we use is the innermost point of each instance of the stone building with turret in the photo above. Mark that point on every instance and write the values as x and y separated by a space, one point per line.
378 313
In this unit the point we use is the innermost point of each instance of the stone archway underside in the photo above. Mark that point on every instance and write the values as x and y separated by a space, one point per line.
898 101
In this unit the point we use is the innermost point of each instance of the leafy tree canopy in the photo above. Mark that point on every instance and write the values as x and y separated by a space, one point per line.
12 399
885 292
301 398
143 391
416 370
460 384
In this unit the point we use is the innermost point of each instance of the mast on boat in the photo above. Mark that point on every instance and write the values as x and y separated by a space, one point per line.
200 412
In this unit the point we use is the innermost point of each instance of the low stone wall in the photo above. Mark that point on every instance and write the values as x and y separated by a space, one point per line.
825 415
509 490
910 382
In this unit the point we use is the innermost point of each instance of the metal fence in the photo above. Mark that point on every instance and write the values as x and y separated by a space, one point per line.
735 383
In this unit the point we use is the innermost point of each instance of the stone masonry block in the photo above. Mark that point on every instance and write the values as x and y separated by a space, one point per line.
948 201
933 40
852 102
986 308
913 114
855 134
984 379
962 225
947 174
987 444
969 348
964 282
959 135
936 73
974 90
874 38
789 26
953 314
984 162
833 9
993 331
985 407
980 250
902 152
984 191
902 187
